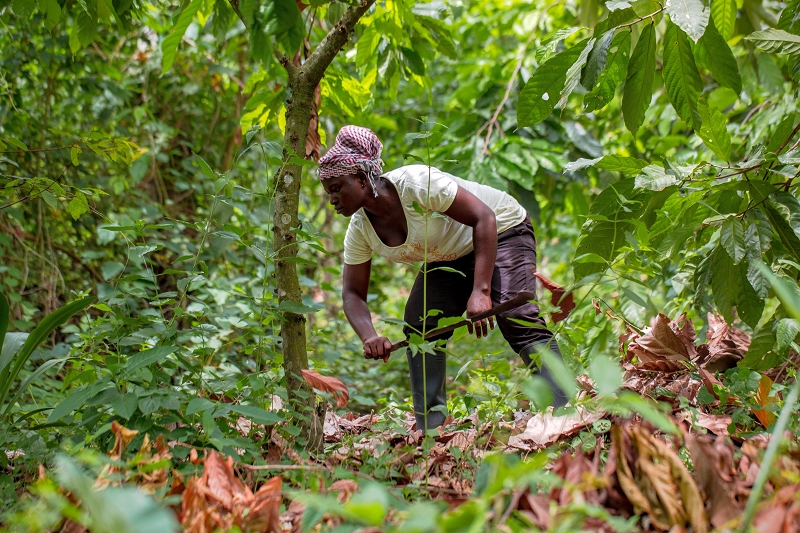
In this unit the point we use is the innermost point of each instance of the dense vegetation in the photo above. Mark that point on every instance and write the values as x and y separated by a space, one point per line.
167 247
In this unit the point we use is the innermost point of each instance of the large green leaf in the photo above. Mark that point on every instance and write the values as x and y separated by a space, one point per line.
23 8
44 367
610 77
256 414
87 28
366 45
689 15
723 13
618 163
681 78
11 344
749 306
77 399
539 96
759 355
790 18
655 178
714 130
285 22
731 237
37 336
721 62
777 41
639 81
52 11
169 46
574 74
785 232
596 61
148 357
725 282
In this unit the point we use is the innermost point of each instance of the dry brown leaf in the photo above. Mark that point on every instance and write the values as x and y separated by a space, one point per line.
717 424
764 399
327 384
558 298
543 429
122 437
624 474
659 343
722 504
684 329
727 345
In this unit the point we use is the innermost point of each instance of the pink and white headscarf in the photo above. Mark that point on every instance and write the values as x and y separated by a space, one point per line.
356 148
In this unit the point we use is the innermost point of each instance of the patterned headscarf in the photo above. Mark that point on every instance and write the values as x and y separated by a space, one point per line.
355 149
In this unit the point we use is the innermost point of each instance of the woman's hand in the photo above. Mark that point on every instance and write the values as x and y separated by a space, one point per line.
479 302
377 348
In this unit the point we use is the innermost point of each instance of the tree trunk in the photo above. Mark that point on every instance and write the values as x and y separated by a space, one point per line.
303 81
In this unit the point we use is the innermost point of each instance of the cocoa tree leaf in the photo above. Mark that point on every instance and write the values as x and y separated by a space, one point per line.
681 78
639 80
723 13
327 384
610 77
691 16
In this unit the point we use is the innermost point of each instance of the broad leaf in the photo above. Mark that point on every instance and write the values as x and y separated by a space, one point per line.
654 178
609 79
574 75
77 399
759 356
639 81
749 305
714 130
689 15
169 46
721 62
148 357
11 344
681 78
540 95
790 18
87 28
366 45
285 21
777 41
596 61
723 13
732 238
618 163
52 11
785 231
256 414
725 282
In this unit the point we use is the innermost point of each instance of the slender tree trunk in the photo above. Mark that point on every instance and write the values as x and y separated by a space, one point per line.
303 82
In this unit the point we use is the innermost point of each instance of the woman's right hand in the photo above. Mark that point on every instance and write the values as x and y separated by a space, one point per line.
377 348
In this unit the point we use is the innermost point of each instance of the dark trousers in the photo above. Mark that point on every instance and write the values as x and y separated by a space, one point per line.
449 292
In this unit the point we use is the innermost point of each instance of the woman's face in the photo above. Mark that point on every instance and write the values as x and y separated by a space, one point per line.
346 193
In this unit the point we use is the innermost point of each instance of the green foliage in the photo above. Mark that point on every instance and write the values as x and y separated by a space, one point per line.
639 79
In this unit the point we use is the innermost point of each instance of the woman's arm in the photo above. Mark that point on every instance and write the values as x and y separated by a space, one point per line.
471 211
354 296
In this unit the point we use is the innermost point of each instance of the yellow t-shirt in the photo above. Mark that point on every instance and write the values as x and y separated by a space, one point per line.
447 239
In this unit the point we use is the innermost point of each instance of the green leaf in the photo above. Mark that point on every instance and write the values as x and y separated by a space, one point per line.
52 11
606 374
681 78
723 13
574 75
285 22
247 9
256 414
647 408
78 205
749 306
721 62
23 8
691 16
169 46
713 130
785 232
618 163
539 96
37 336
560 373
125 404
785 334
87 28
725 281
147 358
776 41
12 342
654 178
760 346
149 404
732 238
76 400
596 61
199 405
790 18
612 75
786 292
639 81
5 312
366 45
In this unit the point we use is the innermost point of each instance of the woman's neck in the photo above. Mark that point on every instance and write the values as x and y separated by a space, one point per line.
386 201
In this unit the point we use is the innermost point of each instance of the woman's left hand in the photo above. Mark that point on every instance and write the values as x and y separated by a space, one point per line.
479 302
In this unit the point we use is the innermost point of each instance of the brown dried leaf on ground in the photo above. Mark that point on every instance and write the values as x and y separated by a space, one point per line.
659 343
558 298
720 492
781 514
684 330
219 500
727 345
717 424
122 437
327 384
543 429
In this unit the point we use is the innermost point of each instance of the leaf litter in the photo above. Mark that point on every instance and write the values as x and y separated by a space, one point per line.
632 477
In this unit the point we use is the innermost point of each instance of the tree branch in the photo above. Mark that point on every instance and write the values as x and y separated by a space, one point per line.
318 61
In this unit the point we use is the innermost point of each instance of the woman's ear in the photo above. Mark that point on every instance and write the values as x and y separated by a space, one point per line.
362 178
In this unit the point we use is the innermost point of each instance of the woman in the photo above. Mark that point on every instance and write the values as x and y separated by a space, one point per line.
481 234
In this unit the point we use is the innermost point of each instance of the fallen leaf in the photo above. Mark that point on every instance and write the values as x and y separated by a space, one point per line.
722 504
764 399
122 437
659 343
543 429
327 384
727 345
559 297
